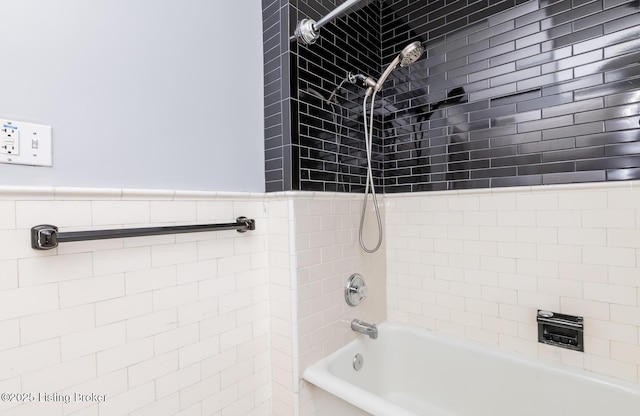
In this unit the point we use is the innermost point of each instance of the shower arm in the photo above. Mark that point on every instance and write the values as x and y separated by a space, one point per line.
308 30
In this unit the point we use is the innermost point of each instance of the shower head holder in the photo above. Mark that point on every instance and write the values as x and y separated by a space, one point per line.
360 79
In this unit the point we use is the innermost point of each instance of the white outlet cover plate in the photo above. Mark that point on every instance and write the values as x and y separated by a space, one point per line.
35 144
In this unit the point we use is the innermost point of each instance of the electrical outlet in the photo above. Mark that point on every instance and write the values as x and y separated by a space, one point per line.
25 143
9 140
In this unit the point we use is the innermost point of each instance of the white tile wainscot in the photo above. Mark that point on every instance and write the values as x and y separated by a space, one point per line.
222 324
214 323
478 264
165 325
318 250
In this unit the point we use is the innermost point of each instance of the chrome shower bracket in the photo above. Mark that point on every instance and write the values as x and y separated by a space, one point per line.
355 291
306 32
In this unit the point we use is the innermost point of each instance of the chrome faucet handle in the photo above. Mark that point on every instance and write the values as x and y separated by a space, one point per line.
355 291
362 291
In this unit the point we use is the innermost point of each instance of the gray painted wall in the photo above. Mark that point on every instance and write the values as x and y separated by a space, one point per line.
140 93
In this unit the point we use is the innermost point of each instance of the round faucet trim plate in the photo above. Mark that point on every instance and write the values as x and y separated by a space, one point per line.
355 291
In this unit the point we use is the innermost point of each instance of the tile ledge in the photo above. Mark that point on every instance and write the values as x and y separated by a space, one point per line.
595 186
613 185
30 192
82 193
87 193
285 195
77 193
211 195
66 193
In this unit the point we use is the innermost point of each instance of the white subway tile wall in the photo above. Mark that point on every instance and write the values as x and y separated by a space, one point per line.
282 304
327 253
478 264
222 324
167 325
313 249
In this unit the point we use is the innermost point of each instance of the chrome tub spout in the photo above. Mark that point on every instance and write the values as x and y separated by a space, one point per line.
364 328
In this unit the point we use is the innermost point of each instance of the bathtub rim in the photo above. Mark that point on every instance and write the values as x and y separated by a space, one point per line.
320 376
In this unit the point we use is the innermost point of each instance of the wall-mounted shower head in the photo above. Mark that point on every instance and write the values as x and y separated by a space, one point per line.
407 56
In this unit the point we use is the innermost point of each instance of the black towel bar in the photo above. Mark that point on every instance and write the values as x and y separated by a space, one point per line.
46 237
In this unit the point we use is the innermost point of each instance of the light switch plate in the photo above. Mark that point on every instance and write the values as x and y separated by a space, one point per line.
24 143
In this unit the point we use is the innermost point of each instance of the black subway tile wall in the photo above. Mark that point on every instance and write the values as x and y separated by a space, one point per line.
329 136
508 93
314 130
274 101
534 92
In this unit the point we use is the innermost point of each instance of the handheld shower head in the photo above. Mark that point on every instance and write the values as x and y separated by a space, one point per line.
407 56
411 53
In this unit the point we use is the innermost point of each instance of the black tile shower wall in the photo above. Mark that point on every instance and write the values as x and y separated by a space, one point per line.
275 128
314 136
511 93
327 136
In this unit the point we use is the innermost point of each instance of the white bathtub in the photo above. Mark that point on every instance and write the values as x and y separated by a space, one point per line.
409 372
